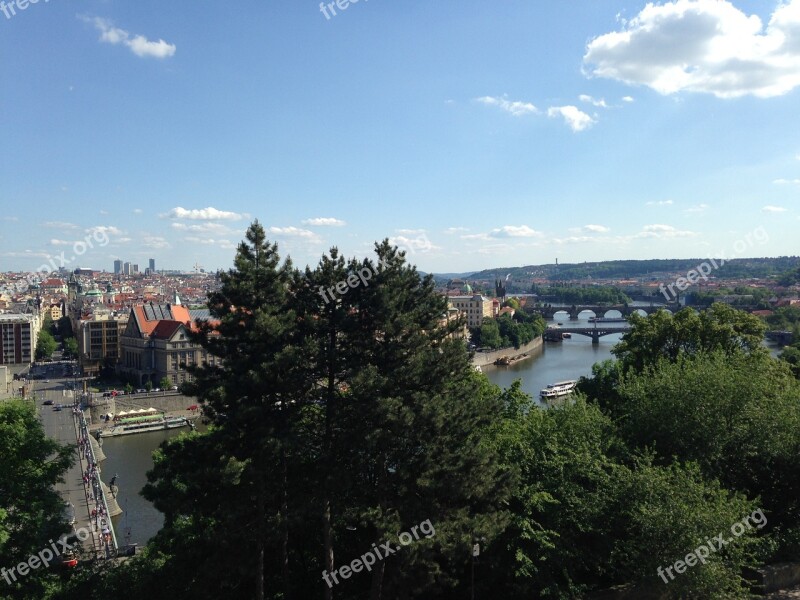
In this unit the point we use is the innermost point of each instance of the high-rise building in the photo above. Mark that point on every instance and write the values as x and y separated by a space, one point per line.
117 267
152 265
134 269
126 268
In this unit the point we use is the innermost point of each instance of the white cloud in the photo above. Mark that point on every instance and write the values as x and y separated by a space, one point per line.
324 222
773 209
137 211
659 203
60 225
420 243
786 181
573 116
226 244
627 99
699 208
410 231
293 232
515 231
138 44
516 108
106 230
596 228
593 101
55 242
202 214
154 242
663 232
706 46
206 227
453 230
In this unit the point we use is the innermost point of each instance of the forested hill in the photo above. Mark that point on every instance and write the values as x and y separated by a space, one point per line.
625 269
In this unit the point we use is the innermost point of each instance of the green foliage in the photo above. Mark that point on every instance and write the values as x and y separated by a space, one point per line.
64 327
148 385
507 331
165 383
489 335
666 336
31 511
128 388
70 347
784 318
584 295
45 345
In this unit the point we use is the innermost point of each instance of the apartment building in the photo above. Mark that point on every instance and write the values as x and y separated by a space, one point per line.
18 336
99 338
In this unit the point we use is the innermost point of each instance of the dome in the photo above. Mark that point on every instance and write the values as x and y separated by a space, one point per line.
467 289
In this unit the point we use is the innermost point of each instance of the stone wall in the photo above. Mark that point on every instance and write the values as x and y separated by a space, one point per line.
482 359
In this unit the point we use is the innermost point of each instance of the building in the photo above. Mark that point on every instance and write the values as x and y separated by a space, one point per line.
475 306
152 265
126 268
99 341
155 344
134 269
18 336
117 267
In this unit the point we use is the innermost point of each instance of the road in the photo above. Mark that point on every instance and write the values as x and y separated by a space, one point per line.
60 426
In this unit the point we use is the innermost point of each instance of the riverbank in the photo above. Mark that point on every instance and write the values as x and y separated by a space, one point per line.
484 359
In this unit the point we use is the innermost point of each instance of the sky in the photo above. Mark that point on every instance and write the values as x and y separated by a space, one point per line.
472 134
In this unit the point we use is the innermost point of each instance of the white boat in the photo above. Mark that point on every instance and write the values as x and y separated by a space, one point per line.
143 425
557 390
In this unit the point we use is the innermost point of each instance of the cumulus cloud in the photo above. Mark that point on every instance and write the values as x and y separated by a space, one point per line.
698 208
516 108
706 46
773 209
202 214
138 44
573 116
324 222
627 98
596 228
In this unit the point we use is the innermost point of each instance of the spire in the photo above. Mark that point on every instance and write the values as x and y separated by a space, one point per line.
176 301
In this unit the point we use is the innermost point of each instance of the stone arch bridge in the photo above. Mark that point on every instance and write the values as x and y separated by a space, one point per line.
600 311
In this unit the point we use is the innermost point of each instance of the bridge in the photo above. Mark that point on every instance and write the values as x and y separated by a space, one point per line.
554 335
548 311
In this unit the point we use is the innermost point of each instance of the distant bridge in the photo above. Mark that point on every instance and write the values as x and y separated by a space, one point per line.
554 335
600 311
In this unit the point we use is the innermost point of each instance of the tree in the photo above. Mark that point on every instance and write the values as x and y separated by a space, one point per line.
165 383
128 388
31 511
662 335
490 334
70 347
46 345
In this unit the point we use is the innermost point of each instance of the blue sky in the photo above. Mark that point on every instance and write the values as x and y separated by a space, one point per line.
474 134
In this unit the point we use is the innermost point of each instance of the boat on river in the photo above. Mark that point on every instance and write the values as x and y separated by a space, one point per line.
143 425
558 390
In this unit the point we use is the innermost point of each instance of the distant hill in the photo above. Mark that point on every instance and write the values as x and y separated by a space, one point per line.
636 269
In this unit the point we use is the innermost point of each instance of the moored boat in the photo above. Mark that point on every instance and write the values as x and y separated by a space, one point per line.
557 390
143 425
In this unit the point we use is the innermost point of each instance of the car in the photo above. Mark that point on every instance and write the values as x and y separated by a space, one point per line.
47 403
174 388
141 391
57 408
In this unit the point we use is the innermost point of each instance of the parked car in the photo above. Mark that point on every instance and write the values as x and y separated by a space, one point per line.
141 391
47 403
